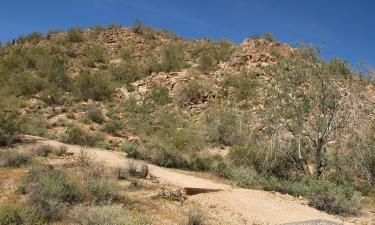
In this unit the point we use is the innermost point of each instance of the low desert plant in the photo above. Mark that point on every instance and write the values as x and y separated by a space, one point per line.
107 215
143 172
10 215
113 126
96 86
101 190
195 217
94 114
61 150
14 159
75 35
131 150
44 150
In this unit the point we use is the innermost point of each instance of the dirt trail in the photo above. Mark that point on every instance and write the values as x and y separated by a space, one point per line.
231 205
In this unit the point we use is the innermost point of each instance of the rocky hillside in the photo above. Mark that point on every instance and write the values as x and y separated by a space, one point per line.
262 113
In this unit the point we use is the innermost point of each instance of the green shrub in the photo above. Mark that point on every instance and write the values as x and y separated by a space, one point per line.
201 163
61 150
94 54
129 72
191 92
93 139
74 135
331 198
107 215
101 190
172 58
160 95
75 35
14 159
48 191
206 63
44 150
10 215
131 150
113 126
225 126
33 37
138 27
244 85
171 159
96 86
94 114
26 84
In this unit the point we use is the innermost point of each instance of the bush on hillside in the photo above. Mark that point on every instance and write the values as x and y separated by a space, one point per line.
96 86
93 54
94 114
75 35
160 95
173 58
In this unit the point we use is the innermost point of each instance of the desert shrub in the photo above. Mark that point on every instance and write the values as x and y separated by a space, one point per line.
244 85
131 150
10 215
107 215
32 125
269 37
61 150
26 84
94 114
265 161
33 37
225 126
172 58
101 190
195 217
44 150
138 27
94 54
54 69
74 135
113 126
75 35
211 53
171 159
160 95
96 86
202 163
331 198
206 63
48 191
191 92
143 172
14 159
129 71
127 53
93 139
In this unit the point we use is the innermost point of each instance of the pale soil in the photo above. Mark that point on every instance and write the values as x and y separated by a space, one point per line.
228 206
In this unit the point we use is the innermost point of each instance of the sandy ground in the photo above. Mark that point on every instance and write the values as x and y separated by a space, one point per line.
230 205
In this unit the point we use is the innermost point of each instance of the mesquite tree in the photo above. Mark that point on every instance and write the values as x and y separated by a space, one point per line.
309 107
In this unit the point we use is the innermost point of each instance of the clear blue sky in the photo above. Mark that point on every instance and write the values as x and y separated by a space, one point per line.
345 28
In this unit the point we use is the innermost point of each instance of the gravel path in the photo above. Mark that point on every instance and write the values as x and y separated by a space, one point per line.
231 205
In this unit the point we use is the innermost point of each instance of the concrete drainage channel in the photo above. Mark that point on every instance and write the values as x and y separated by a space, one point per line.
314 222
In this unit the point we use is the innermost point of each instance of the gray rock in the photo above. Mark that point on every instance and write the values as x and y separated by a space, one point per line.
314 222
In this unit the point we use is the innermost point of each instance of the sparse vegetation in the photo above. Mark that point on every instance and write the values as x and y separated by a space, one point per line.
290 121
